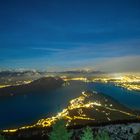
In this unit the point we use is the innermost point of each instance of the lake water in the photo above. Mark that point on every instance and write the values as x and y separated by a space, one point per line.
21 110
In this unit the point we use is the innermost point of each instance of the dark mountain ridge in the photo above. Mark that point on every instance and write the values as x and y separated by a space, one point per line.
43 84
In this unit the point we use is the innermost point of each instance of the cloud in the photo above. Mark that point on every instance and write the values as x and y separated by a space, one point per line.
113 56
120 64
48 49
108 64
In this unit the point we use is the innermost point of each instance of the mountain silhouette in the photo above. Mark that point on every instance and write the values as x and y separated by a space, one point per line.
40 85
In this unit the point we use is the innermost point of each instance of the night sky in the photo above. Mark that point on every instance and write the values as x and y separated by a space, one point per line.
57 35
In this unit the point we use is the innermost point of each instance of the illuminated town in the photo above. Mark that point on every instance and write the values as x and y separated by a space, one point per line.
125 80
75 113
128 81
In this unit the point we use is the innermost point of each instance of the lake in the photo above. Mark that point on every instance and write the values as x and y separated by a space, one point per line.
27 109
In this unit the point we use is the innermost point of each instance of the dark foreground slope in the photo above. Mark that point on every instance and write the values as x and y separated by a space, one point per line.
118 131
44 84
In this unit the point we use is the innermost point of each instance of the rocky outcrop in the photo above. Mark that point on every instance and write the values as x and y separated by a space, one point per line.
116 132
121 131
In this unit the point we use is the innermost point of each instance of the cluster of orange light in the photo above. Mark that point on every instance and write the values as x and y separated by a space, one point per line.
130 82
77 103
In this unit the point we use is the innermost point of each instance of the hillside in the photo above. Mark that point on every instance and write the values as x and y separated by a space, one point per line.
43 84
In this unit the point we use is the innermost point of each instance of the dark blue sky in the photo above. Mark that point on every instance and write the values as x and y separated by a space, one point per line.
69 34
